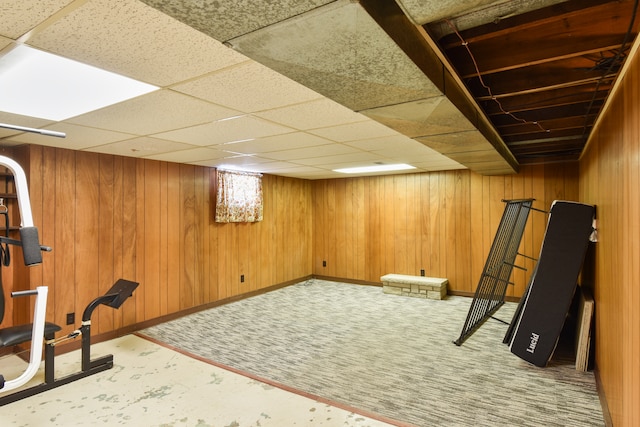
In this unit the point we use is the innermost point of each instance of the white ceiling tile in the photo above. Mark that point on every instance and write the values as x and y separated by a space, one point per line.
19 120
139 147
190 155
269 166
227 130
354 131
277 143
20 16
352 159
315 114
154 113
252 163
4 42
245 162
248 87
135 40
307 173
393 142
297 171
310 152
348 175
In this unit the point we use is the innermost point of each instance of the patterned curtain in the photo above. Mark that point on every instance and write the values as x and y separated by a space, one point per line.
239 197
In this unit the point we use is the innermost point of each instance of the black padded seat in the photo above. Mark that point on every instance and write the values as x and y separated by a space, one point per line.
15 335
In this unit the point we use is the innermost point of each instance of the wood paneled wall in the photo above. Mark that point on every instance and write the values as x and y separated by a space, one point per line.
108 217
610 178
442 222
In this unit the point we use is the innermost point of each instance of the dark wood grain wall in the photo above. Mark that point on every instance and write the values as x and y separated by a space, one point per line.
610 179
440 222
108 217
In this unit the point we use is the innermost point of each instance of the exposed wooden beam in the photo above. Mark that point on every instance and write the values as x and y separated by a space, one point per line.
537 80
521 56
545 99
553 17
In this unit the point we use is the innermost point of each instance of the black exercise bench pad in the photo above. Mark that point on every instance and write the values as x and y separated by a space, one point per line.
14 335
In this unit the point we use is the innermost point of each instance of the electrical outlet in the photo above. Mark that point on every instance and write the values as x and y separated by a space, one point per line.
422 272
241 278
71 318
324 263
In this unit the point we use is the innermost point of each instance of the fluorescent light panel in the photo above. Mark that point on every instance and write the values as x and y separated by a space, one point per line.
376 168
39 84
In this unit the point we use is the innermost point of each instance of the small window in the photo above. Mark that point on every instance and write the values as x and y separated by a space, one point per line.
239 196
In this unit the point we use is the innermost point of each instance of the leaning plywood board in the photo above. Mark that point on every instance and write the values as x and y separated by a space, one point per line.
583 329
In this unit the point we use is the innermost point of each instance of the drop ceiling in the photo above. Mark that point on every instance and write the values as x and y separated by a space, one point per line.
299 88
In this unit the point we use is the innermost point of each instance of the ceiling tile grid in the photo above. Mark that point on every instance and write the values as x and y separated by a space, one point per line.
129 38
248 87
156 112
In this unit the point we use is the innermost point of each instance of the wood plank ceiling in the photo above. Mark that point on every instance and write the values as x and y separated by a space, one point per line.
542 76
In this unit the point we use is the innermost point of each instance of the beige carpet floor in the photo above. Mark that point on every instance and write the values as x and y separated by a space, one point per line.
388 355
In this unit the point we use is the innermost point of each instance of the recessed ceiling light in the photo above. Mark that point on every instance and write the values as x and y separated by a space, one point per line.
39 84
238 141
376 168
239 116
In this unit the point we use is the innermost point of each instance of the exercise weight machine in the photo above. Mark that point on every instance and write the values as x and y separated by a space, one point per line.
42 333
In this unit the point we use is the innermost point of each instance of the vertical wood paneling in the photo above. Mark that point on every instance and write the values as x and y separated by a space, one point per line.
152 233
449 242
108 217
434 254
476 229
117 228
163 283
424 219
340 262
214 291
443 222
64 242
128 251
87 241
373 243
140 239
609 179
463 232
198 244
632 249
187 238
400 229
389 211
106 240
